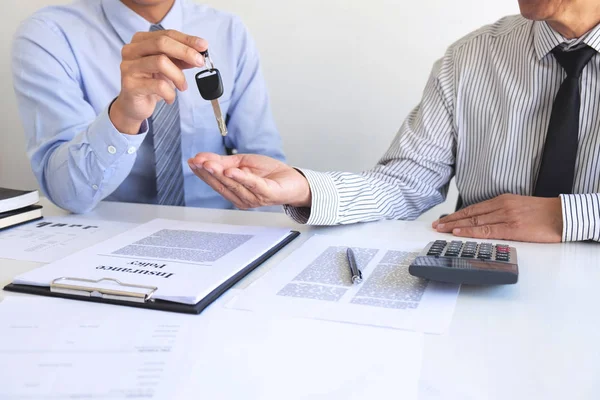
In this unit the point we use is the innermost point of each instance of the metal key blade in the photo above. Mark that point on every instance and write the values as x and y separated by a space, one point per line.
219 117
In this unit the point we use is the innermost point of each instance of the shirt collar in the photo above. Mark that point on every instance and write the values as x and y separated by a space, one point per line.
127 22
545 39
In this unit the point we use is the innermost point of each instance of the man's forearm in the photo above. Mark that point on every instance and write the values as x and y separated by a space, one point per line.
77 174
345 198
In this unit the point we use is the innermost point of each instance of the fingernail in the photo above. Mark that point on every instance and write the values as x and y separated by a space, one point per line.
456 231
210 171
199 42
192 166
441 226
200 60
435 223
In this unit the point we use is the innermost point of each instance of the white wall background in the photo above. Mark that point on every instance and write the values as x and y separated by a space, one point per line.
343 74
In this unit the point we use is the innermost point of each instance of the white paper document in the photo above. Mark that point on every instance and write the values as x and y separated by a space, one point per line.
244 355
315 282
53 238
185 261
63 349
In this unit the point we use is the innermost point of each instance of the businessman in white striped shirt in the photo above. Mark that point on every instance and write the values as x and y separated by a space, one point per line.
512 110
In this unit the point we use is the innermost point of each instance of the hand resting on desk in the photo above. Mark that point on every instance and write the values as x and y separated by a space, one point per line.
508 217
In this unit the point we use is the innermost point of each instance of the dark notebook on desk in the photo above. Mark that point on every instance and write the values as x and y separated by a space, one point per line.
11 199
10 219
18 207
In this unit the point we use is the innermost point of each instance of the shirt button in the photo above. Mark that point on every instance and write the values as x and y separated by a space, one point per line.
131 150
95 187
112 149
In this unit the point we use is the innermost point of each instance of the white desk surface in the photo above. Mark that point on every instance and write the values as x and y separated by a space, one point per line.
538 339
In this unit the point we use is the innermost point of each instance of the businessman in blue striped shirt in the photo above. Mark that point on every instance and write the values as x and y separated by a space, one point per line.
107 97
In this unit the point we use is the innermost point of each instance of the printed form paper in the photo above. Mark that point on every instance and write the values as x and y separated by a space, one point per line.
63 349
315 282
184 260
56 237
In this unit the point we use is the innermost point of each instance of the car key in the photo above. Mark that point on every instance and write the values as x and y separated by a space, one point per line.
210 85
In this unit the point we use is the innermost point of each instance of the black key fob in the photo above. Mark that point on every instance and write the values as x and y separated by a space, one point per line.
210 84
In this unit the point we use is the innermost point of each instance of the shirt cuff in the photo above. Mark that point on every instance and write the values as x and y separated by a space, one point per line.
325 201
109 144
581 217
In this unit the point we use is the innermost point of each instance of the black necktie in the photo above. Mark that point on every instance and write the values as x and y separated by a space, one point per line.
557 171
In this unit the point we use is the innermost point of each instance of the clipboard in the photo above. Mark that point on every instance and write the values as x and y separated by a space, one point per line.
85 289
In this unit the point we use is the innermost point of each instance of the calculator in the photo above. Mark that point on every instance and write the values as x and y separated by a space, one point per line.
468 263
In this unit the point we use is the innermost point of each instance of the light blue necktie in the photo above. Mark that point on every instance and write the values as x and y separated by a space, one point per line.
165 128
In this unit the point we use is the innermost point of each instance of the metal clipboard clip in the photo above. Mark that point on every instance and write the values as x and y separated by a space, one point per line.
58 286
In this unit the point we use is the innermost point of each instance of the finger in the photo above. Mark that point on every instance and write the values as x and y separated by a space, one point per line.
484 207
249 199
164 78
226 162
163 45
147 87
492 218
160 64
497 231
246 195
254 184
218 187
194 42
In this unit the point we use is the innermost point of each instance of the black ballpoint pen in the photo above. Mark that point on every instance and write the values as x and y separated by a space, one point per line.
355 273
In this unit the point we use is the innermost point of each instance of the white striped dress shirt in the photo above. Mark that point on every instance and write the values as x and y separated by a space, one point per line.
483 118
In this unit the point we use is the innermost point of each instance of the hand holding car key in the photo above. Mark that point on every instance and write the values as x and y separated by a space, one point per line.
210 85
